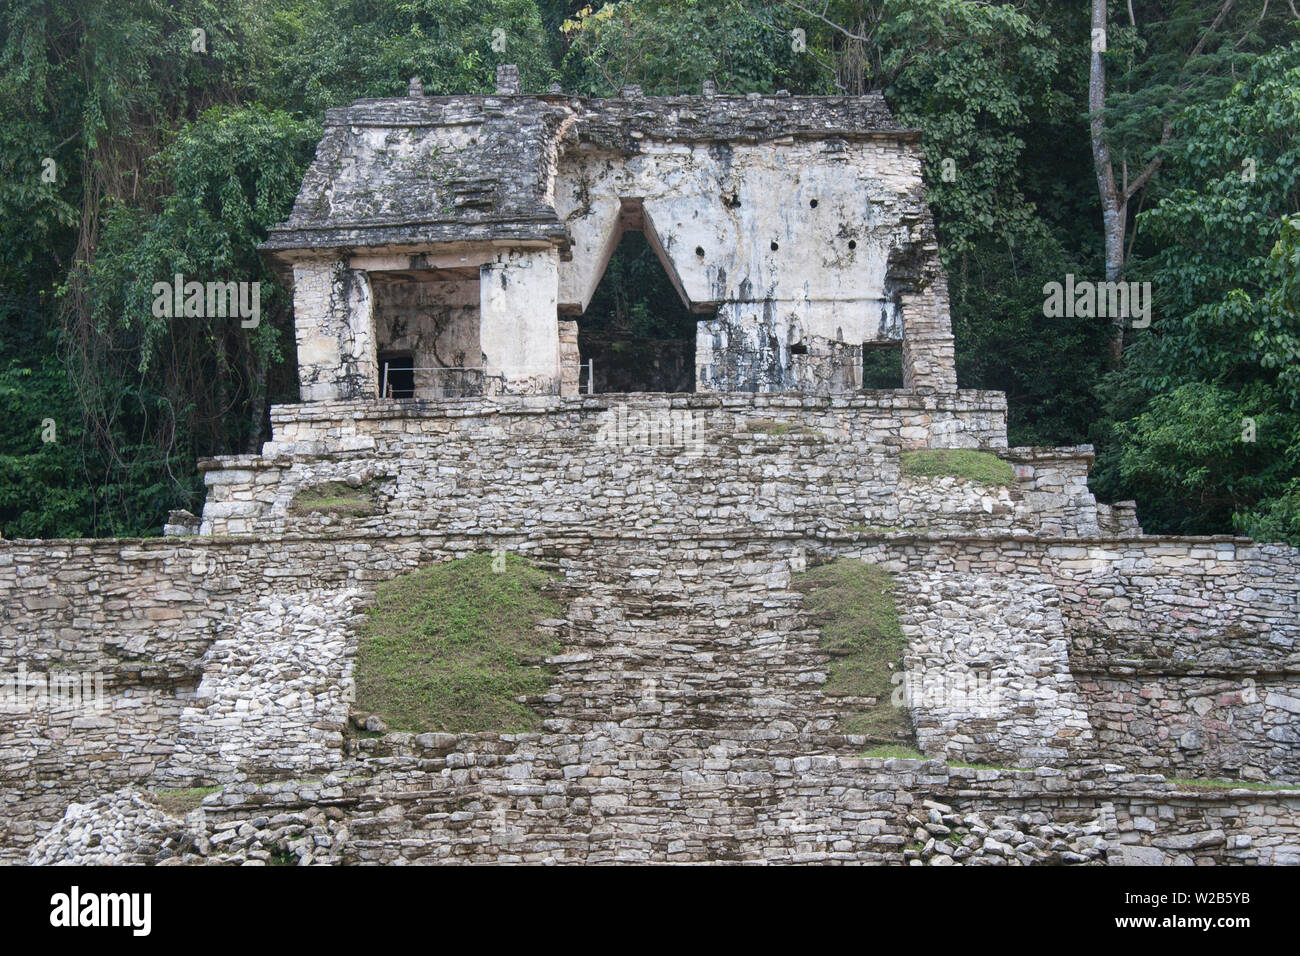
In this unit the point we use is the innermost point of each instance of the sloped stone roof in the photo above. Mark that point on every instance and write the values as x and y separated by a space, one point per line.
420 170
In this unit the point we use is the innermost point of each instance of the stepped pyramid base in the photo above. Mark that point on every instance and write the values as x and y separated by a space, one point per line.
687 720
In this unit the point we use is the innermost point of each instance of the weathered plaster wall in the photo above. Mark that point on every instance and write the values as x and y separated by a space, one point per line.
799 224
716 210
336 337
517 323
791 243
437 322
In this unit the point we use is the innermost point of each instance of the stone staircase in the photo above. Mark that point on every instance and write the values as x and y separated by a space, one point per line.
669 641
687 717
989 669
693 465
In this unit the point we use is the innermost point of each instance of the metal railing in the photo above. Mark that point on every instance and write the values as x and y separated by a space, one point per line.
472 378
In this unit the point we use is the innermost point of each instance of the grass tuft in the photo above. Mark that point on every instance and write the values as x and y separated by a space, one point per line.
181 802
334 497
767 426
895 753
958 463
448 648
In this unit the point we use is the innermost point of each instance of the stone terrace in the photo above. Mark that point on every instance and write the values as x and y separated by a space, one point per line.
698 646
691 464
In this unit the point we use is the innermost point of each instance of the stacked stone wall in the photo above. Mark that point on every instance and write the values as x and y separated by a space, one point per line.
669 465
441 798
661 636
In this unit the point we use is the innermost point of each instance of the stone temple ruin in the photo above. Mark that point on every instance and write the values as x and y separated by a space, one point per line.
441 253
457 236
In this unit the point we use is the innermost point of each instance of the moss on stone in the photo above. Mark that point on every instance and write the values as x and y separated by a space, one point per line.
852 604
765 426
895 753
958 463
336 498
452 647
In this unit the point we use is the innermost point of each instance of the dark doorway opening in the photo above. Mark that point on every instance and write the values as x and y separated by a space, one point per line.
397 374
637 332
882 365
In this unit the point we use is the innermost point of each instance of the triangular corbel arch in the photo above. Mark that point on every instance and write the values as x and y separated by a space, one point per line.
630 216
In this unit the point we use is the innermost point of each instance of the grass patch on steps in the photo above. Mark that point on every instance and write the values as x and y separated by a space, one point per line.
767 426
852 604
895 753
958 463
180 802
449 647
336 498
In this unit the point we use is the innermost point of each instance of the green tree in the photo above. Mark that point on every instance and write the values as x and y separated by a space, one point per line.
670 47
196 386
1170 54
1222 250
336 51
994 92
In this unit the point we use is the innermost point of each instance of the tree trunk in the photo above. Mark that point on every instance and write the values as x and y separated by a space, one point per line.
256 406
1114 204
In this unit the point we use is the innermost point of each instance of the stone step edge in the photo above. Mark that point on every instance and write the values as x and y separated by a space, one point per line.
559 534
